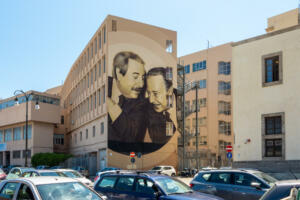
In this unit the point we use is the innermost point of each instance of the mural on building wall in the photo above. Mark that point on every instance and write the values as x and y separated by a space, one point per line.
140 103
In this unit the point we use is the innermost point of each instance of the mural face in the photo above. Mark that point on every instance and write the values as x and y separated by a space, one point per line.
141 115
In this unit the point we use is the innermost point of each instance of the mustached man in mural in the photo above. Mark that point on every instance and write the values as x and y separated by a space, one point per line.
160 96
127 103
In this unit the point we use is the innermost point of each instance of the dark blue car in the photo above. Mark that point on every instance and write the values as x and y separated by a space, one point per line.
141 186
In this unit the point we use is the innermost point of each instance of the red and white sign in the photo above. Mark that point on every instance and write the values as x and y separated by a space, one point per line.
229 148
132 154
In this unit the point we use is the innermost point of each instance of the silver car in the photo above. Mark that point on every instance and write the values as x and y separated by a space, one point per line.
46 188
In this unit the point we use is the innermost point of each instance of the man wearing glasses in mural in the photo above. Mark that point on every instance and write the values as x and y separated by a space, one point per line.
160 94
127 103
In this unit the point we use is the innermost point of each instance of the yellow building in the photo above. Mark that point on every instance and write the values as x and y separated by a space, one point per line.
210 69
100 130
265 84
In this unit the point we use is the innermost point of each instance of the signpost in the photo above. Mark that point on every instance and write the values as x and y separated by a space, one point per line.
229 155
132 154
229 148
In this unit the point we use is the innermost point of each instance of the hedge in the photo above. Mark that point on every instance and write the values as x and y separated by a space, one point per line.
50 159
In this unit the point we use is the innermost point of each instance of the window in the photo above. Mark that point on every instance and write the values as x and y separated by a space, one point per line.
95 67
187 69
202 84
91 98
244 179
102 127
199 66
225 128
99 98
92 76
224 108
104 35
273 147
272 69
95 98
169 46
58 139
94 131
8 190
223 178
16 154
25 193
144 186
203 140
224 88
88 52
75 139
224 68
104 62
125 184
169 128
17 133
273 125
7 135
88 80
92 52
107 182
62 119
86 133
95 46
169 73
99 39
114 25
103 94
28 153
80 136
99 68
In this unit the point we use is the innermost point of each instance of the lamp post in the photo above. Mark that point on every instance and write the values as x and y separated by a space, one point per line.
37 107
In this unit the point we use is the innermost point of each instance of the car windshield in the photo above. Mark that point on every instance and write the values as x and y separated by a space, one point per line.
173 186
269 179
72 174
66 191
52 174
156 168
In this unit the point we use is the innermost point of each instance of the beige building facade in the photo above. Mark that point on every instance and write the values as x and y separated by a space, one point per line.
265 112
88 93
41 126
210 69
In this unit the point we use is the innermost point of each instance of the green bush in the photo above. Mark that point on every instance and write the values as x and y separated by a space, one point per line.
50 159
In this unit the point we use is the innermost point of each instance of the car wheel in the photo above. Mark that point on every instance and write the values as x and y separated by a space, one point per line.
173 174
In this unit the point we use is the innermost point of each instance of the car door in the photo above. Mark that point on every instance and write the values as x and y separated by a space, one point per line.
242 189
220 183
124 188
8 191
144 189
106 186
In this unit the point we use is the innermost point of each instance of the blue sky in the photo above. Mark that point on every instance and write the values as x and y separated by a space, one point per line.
40 39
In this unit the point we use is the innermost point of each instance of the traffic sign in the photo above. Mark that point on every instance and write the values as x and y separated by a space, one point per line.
229 148
132 154
139 154
229 155
132 160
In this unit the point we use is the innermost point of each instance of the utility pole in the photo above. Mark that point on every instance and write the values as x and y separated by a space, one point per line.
197 143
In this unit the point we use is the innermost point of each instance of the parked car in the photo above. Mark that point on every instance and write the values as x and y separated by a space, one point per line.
146 186
233 184
42 172
16 172
81 170
188 172
2 174
42 167
167 170
56 167
76 175
281 189
7 169
46 188
107 170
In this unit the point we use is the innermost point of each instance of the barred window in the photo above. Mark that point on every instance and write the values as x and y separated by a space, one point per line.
225 127
224 108
224 68
224 88
273 147
273 125
16 154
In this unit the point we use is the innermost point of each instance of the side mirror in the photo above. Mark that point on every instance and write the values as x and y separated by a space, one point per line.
255 185
158 194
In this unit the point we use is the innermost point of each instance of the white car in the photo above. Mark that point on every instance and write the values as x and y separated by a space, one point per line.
46 188
167 170
76 175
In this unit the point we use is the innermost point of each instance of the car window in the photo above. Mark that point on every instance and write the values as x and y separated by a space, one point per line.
8 190
25 193
26 174
125 184
156 168
280 192
205 176
244 179
18 172
14 171
224 178
107 182
144 186
34 174
167 168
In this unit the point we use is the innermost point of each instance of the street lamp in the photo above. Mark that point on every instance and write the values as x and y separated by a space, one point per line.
37 107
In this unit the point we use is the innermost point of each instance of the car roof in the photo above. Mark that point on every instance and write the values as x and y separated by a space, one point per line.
41 180
145 175
288 182
64 170
232 170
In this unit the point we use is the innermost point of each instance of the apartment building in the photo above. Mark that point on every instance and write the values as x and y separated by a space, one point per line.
42 120
265 84
210 71
94 93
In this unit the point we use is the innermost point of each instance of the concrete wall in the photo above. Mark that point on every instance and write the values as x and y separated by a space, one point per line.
284 20
251 100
